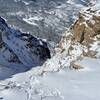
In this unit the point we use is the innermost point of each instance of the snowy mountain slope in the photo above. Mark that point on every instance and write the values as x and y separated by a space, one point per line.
57 79
43 18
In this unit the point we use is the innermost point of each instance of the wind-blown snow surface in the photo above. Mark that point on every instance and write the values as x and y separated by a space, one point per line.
63 85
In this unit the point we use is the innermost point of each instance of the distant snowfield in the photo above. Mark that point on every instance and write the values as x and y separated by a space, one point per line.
63 85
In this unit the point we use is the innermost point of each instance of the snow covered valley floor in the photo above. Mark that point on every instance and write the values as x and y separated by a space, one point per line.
62 85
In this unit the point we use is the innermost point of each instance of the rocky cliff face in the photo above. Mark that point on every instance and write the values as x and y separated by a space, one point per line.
19 49
85 29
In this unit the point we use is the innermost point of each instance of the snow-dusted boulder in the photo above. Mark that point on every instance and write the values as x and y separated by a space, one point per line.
21 49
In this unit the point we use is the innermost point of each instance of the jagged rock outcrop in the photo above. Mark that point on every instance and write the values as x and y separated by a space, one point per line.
21 49
81 40
85 28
